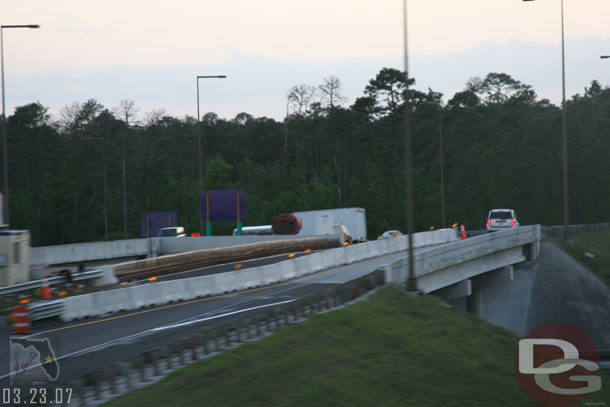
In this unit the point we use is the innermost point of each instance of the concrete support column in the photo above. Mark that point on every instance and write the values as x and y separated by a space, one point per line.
474 303
455 291
531 250
481 282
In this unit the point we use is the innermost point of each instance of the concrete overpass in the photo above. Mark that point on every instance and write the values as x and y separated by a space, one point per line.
454 269
458 270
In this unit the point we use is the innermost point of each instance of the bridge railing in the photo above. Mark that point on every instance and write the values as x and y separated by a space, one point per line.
445 265
34 284
550 231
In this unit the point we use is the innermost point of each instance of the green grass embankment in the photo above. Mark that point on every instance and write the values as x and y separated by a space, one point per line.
389 350
596 243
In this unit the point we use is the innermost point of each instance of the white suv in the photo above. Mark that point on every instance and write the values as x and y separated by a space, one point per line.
500 219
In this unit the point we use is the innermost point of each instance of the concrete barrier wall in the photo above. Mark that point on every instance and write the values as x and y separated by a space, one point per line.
170 245
460 251
86 252
130 298
120 250
441 266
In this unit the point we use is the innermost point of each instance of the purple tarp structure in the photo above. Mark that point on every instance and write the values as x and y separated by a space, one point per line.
223 204
151 222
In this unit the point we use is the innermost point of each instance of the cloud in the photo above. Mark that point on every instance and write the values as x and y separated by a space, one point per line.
77 89
258 85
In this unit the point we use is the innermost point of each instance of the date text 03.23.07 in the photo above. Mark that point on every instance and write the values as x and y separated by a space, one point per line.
35 396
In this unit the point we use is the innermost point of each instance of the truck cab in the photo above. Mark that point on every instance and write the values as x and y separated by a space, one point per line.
176 231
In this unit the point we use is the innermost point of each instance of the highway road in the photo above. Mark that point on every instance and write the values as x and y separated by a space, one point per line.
86 346
554 288
565 291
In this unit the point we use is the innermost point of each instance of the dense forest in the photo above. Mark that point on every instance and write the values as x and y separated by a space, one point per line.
501 148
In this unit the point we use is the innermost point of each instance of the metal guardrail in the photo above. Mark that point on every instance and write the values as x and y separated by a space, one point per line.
30 285
550 231
86 275
45 309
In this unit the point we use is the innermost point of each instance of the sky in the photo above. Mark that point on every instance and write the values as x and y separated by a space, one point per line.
151 51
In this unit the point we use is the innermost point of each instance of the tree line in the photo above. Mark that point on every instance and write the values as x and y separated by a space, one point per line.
501 149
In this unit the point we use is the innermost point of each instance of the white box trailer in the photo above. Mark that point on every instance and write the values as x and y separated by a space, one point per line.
14 256
321 222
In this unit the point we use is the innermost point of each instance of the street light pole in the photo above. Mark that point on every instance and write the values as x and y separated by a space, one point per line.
4 131
105 186
411 284
440 136
199 139
124 186
564 131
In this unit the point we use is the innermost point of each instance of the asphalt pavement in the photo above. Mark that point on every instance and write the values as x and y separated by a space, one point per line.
86 346
556 288
565 291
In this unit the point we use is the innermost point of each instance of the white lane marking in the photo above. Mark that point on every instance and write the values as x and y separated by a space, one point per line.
165 327
179 324
290 287
161 328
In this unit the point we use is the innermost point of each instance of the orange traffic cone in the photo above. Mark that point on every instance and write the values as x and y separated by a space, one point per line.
21 320
46 291
462 232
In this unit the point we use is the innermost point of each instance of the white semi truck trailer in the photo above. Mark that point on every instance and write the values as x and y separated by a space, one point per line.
322 222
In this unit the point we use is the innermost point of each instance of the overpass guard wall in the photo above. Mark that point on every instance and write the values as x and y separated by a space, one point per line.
442 266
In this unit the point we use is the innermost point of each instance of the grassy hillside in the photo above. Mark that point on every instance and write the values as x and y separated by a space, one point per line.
596 243
389 350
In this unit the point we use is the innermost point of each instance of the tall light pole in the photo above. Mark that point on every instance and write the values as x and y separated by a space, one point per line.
4 131
124 185
411 284
199 138
564 130
440 136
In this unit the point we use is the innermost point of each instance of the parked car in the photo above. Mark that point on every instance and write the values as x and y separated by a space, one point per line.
390 234
500 219
177 231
